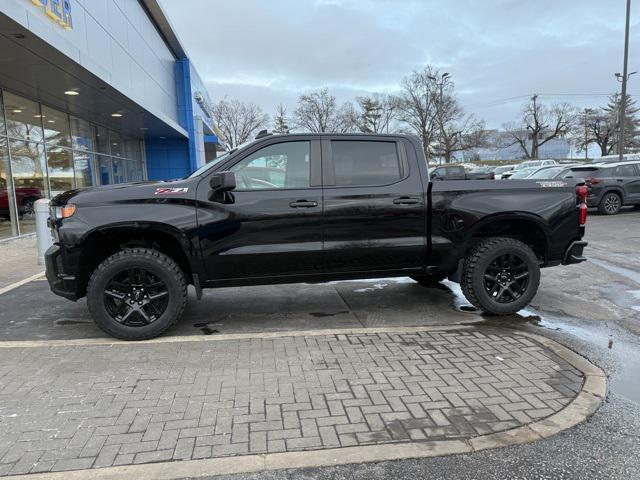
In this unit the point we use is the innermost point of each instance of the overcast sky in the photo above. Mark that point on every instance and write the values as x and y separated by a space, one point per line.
271 51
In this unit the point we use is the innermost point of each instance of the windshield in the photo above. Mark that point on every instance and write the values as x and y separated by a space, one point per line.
204 168
213 162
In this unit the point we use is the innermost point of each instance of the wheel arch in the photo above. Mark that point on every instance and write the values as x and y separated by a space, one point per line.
102 242
526 227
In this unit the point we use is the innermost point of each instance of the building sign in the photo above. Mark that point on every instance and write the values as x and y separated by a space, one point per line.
58 10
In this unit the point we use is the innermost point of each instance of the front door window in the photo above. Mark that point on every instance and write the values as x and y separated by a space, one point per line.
279 166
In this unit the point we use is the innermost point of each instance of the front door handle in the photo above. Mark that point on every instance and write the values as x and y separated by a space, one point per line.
406 201
303 204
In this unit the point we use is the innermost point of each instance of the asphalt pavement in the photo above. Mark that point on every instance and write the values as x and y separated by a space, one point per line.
592 308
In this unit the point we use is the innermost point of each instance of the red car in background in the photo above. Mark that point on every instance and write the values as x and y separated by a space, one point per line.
26 197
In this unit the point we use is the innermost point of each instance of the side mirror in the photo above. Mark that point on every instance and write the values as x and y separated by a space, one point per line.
222 182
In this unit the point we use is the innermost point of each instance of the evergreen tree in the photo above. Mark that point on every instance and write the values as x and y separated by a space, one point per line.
280 121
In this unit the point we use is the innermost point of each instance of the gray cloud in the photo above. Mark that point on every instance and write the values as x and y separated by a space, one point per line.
270 52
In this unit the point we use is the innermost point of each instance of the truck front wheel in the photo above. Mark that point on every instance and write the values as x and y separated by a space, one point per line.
137 294
500 275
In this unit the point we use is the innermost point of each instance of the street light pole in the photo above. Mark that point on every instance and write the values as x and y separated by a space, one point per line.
625 77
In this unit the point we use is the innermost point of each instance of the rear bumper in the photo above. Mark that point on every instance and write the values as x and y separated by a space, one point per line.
60 284
573 253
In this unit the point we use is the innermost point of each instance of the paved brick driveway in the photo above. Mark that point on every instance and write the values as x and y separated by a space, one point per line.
75 407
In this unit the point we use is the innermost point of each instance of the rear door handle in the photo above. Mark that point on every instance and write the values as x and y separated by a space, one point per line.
406 201
620 180
303 204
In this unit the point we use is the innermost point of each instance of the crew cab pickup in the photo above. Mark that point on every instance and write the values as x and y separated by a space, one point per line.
306 208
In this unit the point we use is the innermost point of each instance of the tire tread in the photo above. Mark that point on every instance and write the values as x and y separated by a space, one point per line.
158 257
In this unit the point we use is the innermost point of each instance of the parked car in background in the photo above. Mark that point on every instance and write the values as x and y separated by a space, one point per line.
457 172
552 172
499 171
610 185
25 196
523 173
529 164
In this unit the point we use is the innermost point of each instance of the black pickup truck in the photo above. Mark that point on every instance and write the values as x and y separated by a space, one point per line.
306 208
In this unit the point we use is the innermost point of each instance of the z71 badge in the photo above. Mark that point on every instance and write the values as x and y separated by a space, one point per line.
171 191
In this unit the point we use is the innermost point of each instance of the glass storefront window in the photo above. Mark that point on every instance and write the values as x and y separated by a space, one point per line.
60 167
81 135
132 148
134 171
28 168
117 147
44 152
104 169
24 119
56 127
119 174
102 140
2 130
83 162
8 224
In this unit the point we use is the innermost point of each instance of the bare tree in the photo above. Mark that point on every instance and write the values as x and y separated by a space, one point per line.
602 126
540 124
317 112
377 113
418 103
280 120
347 119
238 121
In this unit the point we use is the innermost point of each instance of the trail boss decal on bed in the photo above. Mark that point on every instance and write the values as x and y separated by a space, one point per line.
171 191
552 184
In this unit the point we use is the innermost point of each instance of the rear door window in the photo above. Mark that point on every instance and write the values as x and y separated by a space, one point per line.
626 171
359 163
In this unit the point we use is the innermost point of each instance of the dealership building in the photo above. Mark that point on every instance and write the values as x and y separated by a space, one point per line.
93 92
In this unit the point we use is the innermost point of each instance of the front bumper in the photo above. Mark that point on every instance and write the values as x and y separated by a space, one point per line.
573 253
61 284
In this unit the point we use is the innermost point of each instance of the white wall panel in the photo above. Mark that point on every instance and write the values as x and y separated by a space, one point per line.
115 40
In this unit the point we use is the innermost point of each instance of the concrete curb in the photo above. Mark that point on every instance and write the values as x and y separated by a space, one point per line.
230 336
584 405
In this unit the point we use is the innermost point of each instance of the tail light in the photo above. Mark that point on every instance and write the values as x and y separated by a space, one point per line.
581 192
592 181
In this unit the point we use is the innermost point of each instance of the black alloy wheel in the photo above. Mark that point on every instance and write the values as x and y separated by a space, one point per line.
506 278
136 297
610 204
500 275
137 293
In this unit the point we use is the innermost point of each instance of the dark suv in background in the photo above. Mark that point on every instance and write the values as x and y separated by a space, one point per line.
611 185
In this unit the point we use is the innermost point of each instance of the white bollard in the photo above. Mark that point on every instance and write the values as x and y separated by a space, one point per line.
43 232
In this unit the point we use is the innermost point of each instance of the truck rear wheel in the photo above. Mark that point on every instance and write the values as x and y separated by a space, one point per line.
500 275
137 294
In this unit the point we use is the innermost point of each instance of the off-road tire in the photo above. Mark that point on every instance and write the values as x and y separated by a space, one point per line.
606 208
476 263
152 260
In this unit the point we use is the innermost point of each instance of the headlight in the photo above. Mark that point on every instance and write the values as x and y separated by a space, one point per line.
64 211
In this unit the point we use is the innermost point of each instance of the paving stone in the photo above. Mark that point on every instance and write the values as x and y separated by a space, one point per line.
128 404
